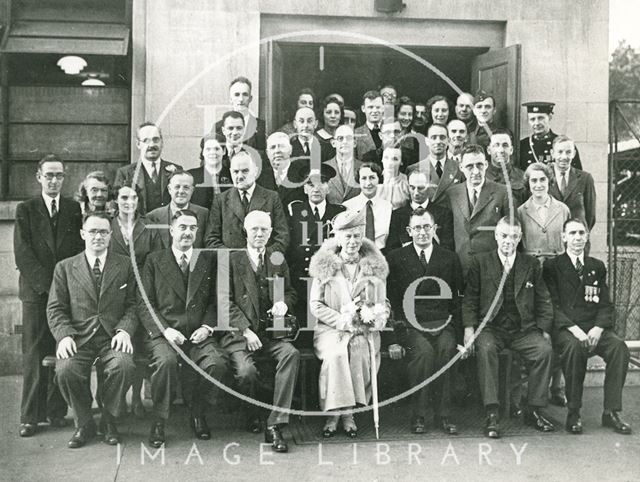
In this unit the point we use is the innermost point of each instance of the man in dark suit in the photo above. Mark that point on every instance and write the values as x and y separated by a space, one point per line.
92 315
583 326
368 134
477 205
390 135
232 129
572 186
180 189
305 145
309 226
226 220
150 172
419 188
343 186
277 175
520 320
180 309
47 230
260 287
426 332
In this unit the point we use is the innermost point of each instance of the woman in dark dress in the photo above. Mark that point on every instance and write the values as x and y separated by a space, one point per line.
211 177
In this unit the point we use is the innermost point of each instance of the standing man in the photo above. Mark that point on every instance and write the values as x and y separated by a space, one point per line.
583 326
277 176
420 118
390 134
440 170
368 134
180 286
305 144
477 206
464 111
150 172
572 186
343 185
537 147
520 320
501 151
180 189
226 220
419 189
260 288
92 315
47 230
377 210
457 139
484 110
426 333
240 98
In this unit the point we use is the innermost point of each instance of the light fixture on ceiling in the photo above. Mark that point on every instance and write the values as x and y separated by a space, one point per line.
72 64
90 82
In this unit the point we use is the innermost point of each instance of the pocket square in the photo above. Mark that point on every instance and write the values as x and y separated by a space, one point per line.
529 284
123 286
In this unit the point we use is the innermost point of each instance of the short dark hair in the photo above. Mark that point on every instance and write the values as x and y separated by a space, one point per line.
420 211
129 184
574 220
211 136
437 124
147 124
180 172
305 91
503 130
233 114
371 95
183 212
49 158
473 149
241 80
95 214
371 165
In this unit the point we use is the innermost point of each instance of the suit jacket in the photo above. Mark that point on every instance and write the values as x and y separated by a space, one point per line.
255 130
175 305
305 237
364 141
203 191
36 249
145 241
443 217
340 189
243 301
287 194
451 176
162 215
227 217
126 174
543 237
76 309
580 195
319 150
568 291
404 269
474 231
531 293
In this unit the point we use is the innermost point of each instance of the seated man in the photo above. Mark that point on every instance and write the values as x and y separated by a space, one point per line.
428 331
521 321
583 326
260 286
91 313
180 309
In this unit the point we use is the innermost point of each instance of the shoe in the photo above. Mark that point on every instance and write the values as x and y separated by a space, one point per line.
612 420
255 425
110 434
330 427
349 425
156 434
57 422
492 426
200 428
417 425
516 411
82 435
558 398
536 420
446 426
273 436
351 432
27 429
574 423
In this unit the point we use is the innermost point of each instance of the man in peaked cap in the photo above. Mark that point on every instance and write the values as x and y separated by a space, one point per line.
537 147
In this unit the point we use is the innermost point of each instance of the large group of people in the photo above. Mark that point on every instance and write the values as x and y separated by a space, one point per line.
423 222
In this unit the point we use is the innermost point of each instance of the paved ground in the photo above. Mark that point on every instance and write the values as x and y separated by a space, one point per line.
598 455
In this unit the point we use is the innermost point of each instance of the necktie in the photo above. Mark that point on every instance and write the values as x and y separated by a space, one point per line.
154 173
579 268
563 184
375 133
439 168
184 267
475 198
423 259
97 273
260 268
507 265
305 147
316 213
54 213
370 229
245 201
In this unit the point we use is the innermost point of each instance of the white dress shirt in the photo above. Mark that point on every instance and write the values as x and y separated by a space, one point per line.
254 256
511 259
322 207
477 189
574 258
47 202
149 167
248 191
91 259
428 251
381 215
178 255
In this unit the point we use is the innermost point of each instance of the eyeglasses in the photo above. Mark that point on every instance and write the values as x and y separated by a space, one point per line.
146 140
424 227
102 232
50 176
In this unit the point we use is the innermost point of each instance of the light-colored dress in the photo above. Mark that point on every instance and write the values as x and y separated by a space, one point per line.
345 375
395 190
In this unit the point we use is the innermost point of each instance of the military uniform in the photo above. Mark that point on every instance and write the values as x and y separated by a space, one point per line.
516 181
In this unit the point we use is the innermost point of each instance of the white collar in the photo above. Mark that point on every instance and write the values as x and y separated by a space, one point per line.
559 174
424 205
178 254
427 251
254 255
322 207
512 259
174 209
372 126
573 258
91 259
365 199
435 161
48 199
149 165
248 191
476 188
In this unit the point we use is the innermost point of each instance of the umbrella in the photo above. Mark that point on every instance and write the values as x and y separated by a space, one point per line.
374 385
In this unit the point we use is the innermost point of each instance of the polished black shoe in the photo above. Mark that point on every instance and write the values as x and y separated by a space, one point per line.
57 422
536 420
444 424
273 436
417 425
200 428
156 434
492 427
351 432
110 434
516 411
82 435
255 425
27 429
612 420
574 423
558 398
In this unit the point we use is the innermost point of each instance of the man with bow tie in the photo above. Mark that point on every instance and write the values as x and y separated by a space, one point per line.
583 326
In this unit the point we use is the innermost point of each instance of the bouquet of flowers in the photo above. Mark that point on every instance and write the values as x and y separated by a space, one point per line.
365 316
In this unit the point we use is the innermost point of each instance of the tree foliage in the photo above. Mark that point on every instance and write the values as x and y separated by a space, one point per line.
624 72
